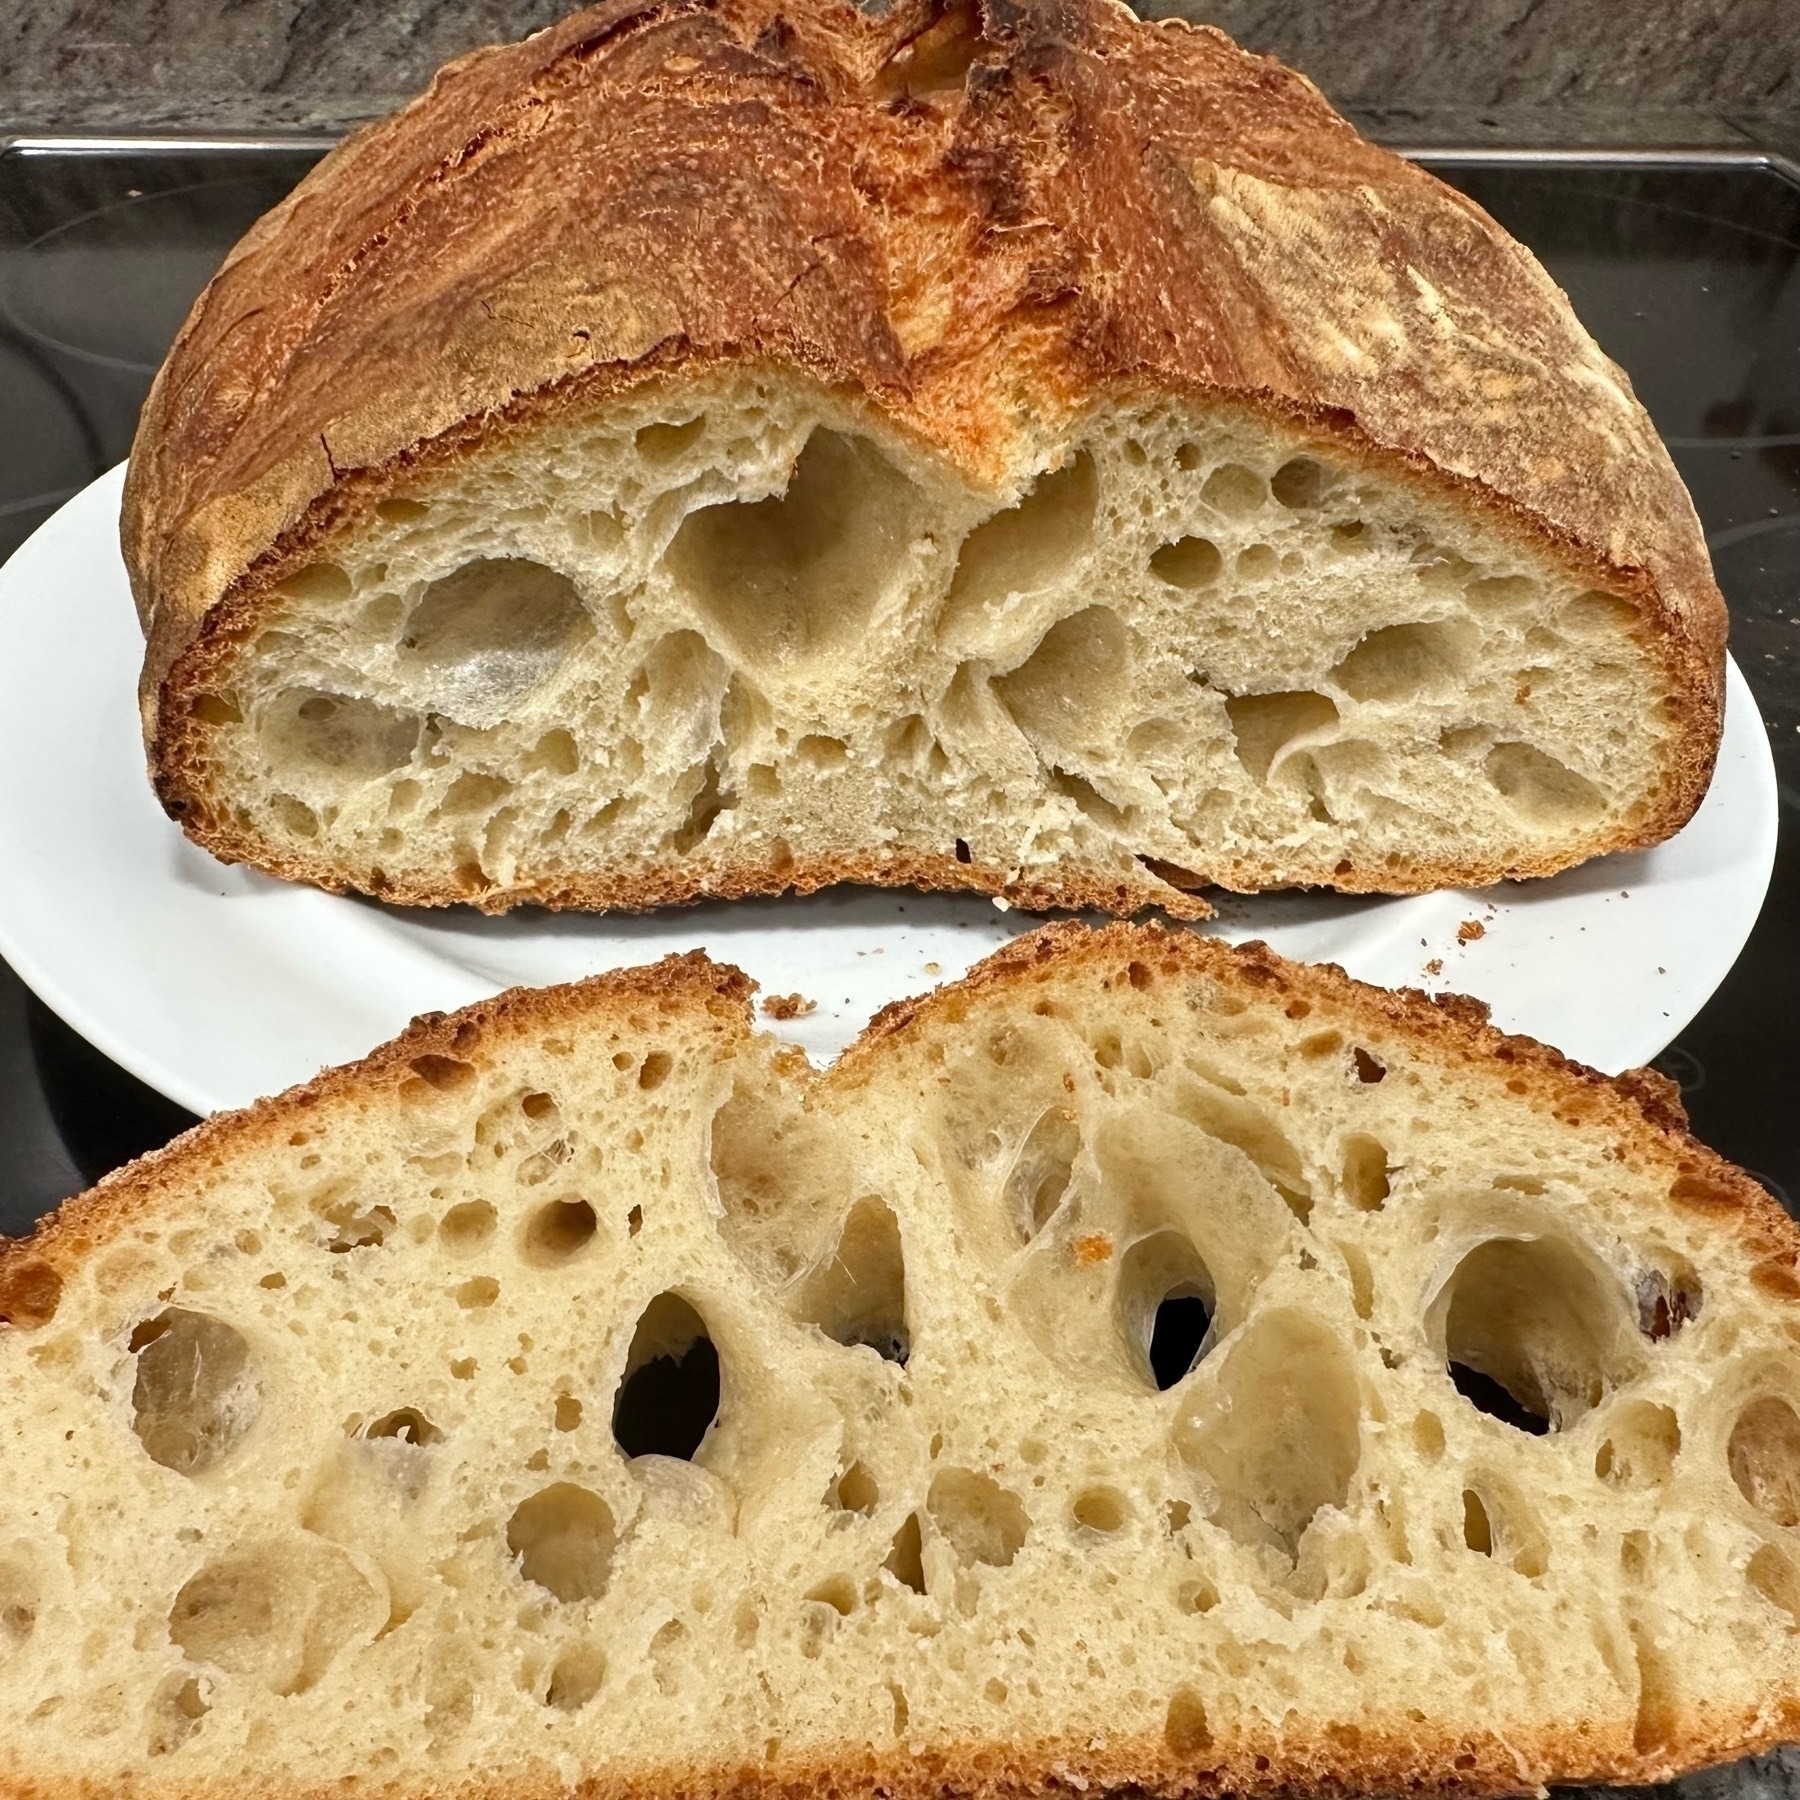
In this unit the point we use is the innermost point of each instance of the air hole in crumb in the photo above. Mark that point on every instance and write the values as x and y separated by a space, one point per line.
445 1073
473 792
1366 1172
1265 725
337 736
824 755
669 1395
278 1612
1530 1332
857 1294
905 1559
1487 1395
634 1221
1407 662
1541 790
1182 1322
1594 614
799 573
480 639
558 1231
1189 562
478 1292
408 1425
1478 1531
30 1291
1668 1299
1641 1443
663 443
836 1591
1080 669
555 753
1196 1595
196 1393
357 1227
1278 1435
1185 1729
1299 483
1235 491
175 1712
1776 1579
1764 1456
568 1412
962 852
1040 1174
563 1537
1165 1306
20 1600
1368 1069
576 1678
1101 1509
654 1070
1022 549
468 1226
855 1490
216 709
982 1521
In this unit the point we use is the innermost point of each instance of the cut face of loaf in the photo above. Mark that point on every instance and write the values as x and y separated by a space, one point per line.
1145 1364
741 636
716 450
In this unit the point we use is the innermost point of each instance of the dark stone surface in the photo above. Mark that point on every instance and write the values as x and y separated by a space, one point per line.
1413 71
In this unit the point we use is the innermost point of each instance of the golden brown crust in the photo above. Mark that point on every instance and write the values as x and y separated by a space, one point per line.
1399 1758
1637 1107
693 982
1367 1755
1098 206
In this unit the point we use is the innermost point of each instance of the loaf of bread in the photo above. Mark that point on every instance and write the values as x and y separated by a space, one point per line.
731 447
1144 1365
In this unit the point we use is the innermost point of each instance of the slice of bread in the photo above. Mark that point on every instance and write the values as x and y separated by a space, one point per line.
721 449
1144 1364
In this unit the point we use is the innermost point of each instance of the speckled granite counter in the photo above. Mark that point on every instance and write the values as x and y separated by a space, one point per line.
1688 72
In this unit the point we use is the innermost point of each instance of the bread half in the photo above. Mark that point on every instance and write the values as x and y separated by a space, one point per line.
724 448
1143 1365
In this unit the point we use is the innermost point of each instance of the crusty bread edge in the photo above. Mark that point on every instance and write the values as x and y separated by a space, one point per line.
690 982
1376 1756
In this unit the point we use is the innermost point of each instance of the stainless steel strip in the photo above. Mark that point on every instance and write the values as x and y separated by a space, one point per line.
76 143
1671 156
96 144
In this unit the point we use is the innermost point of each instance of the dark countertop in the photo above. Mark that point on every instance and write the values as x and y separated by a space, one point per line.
1682 72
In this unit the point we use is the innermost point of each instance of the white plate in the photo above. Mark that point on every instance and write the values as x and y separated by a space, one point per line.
218 984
